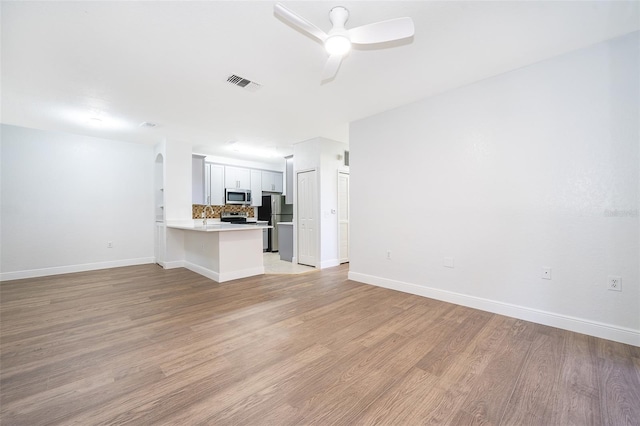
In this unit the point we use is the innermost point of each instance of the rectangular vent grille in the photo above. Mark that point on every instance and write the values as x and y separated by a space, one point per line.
243 82
346 158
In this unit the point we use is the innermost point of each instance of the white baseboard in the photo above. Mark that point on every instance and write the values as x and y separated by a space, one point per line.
565 322
212 275
329 263
173 264
226 276
243 273
69 269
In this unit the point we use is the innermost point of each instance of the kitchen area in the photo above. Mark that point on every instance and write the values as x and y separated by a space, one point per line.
239 218
228 199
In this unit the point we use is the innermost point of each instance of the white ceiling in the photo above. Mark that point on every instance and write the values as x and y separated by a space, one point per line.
167 63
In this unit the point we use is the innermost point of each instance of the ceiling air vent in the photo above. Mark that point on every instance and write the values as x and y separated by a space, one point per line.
244 83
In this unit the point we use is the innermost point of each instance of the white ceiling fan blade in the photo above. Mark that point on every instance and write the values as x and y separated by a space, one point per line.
379 32
299 22
331 67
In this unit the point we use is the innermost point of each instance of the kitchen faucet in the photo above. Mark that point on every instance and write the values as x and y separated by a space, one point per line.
204 214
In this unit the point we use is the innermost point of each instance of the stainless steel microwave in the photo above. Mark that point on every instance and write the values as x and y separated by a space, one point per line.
237 196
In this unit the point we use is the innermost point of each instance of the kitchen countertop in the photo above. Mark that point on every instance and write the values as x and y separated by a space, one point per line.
216 226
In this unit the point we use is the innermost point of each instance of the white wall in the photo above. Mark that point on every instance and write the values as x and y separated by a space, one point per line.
65 196
536 167
177 180
278 165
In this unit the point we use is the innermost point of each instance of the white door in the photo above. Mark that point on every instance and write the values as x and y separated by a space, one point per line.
343 217
307 202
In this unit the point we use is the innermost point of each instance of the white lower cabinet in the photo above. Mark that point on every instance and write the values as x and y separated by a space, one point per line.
265 239
160 245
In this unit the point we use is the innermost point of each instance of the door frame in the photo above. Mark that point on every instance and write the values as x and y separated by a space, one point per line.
344 172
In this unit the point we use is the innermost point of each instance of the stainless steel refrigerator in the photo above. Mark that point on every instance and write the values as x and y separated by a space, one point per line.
274 210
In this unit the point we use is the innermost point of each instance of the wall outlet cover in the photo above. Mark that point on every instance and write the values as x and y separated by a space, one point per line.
614 282
448 262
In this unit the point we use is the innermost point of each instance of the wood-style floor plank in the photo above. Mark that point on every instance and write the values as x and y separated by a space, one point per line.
144 345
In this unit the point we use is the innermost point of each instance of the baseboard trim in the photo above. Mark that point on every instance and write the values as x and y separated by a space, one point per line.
173 264
329 263
223 277
565 322
69 269
212 275
243 273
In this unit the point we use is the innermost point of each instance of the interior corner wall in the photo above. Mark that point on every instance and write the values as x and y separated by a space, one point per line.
538 167
331 155
177 180
321 154
64 197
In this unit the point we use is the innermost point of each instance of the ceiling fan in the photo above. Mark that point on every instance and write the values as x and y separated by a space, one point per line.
337 42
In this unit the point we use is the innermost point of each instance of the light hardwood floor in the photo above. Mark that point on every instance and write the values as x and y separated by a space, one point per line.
145 346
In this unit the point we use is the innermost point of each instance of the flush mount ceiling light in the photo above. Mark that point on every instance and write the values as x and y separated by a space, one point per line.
338 40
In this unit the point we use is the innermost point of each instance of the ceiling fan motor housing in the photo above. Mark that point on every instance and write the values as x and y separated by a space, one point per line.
338 41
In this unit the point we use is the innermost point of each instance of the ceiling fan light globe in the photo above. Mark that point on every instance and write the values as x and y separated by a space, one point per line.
337 45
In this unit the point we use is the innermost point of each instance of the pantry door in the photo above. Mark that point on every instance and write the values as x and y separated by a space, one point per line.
307 221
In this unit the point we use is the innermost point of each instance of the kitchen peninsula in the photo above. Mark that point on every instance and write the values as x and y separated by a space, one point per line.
222 251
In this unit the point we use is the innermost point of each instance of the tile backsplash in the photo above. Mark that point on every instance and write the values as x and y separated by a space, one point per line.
197 209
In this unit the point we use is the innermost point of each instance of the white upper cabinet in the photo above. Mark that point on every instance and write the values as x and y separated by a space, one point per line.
197 178
210 181
237 177
288 199
256 188
272 181
214 184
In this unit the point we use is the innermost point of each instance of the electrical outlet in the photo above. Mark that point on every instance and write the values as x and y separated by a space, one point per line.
109 244
388 254
448 262
546 273
615 282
